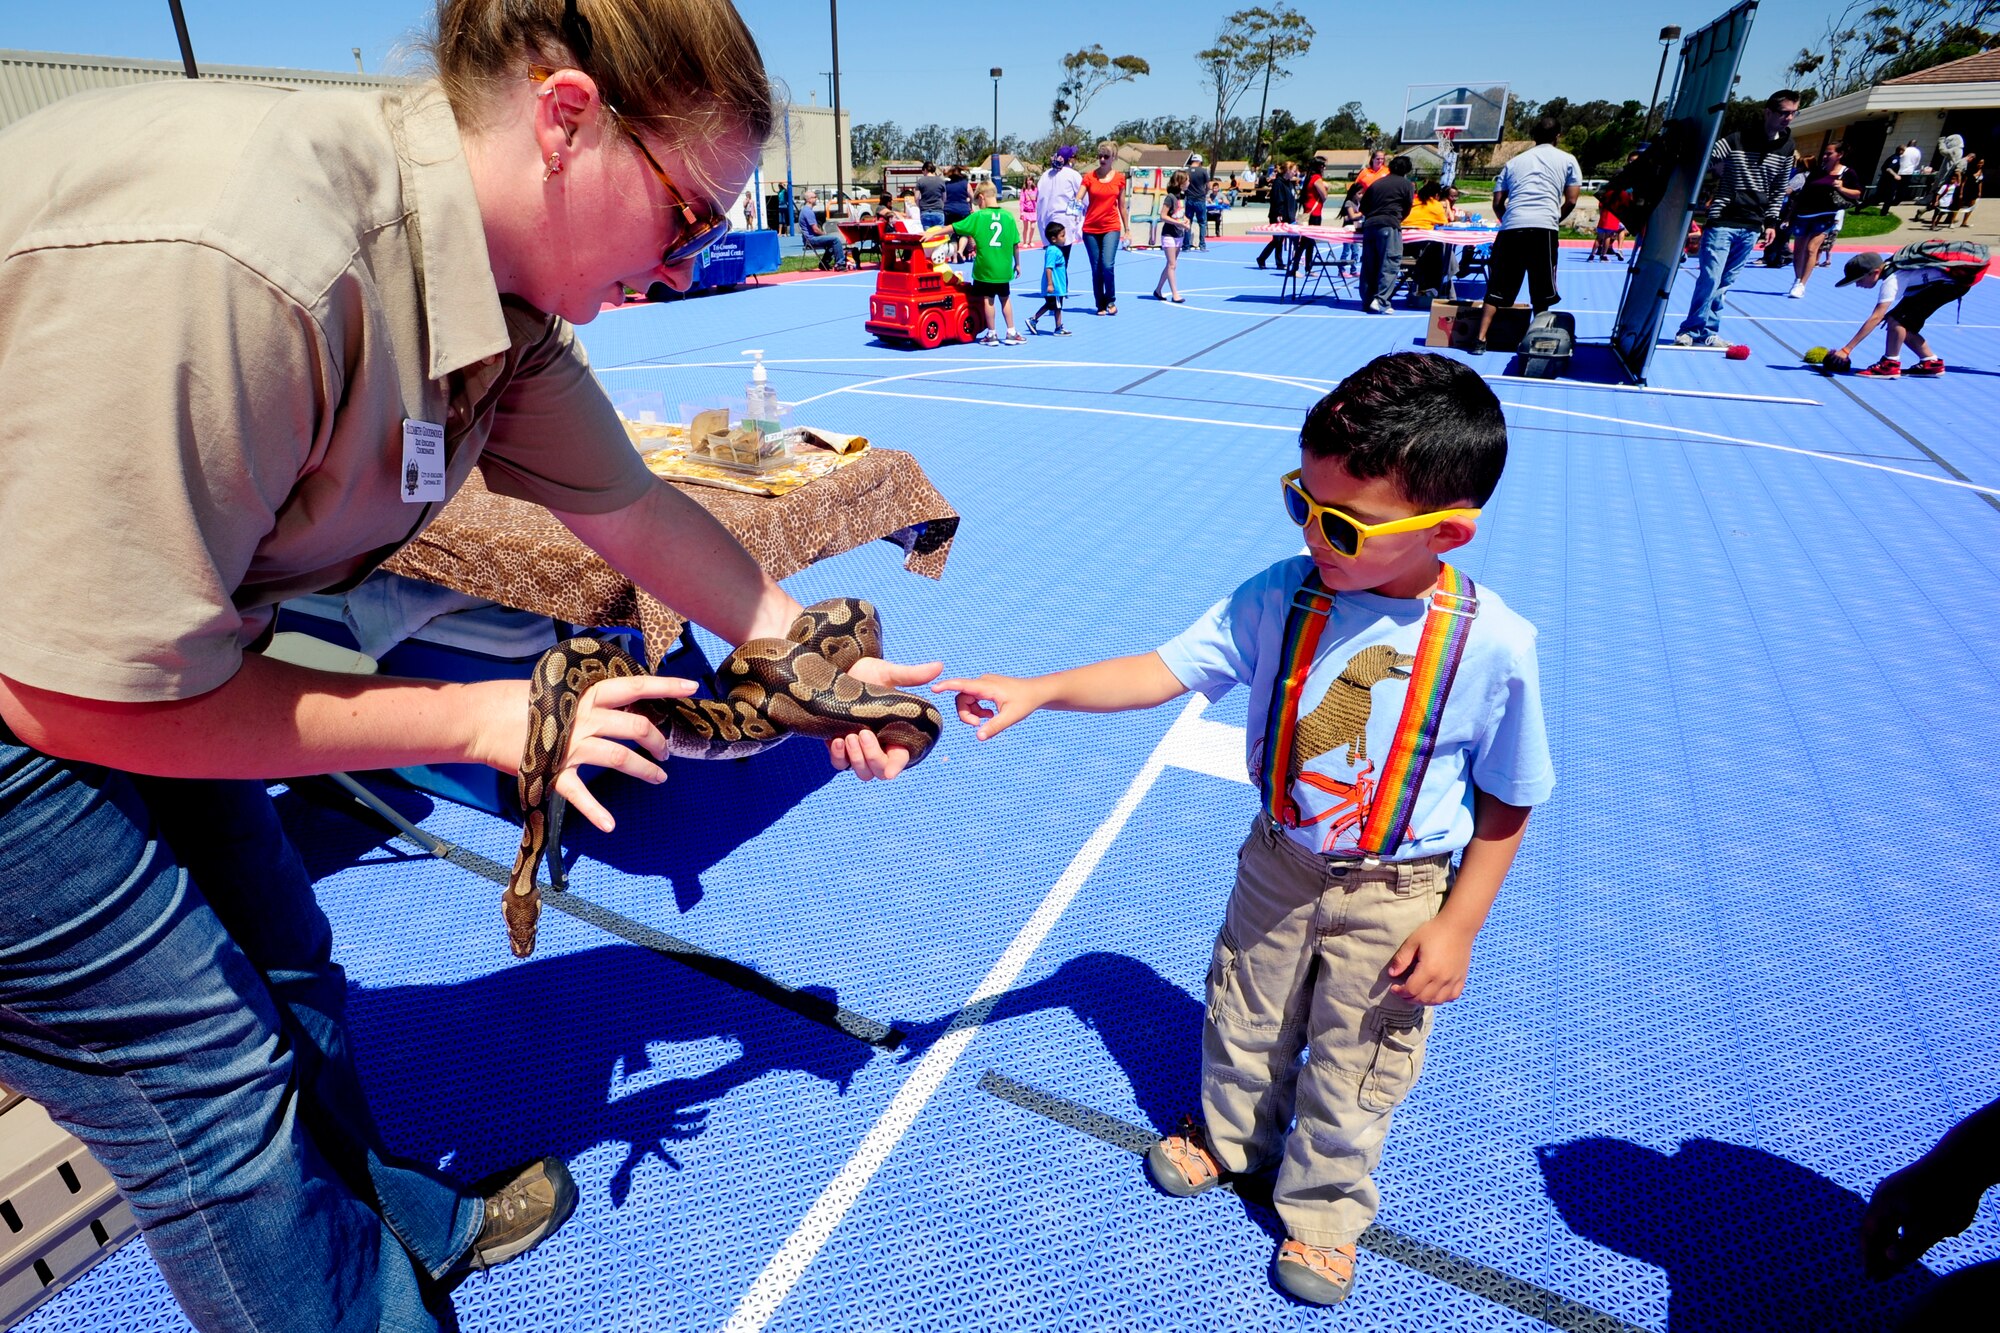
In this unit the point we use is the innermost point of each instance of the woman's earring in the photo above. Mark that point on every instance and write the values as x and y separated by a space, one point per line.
554 168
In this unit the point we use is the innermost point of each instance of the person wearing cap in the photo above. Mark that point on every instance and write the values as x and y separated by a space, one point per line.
1906 296
1197 202
1059 199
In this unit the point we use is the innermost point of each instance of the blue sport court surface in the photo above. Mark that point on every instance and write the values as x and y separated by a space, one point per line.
877 1057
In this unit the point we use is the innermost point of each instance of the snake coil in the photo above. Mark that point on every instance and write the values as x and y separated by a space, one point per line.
773 688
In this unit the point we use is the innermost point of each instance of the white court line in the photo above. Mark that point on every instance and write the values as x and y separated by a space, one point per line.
1296 381
1761 444
789 1264
1653 390
967 365
1061 407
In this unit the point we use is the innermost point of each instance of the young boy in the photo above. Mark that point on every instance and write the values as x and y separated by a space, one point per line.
1395 720
1910 286
997 262
1055 279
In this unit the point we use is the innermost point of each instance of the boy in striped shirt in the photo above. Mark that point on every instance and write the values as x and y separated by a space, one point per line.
1395 723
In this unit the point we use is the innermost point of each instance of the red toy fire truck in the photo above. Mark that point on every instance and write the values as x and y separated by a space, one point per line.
917 302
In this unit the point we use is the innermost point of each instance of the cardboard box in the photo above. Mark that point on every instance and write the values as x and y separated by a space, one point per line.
1456 324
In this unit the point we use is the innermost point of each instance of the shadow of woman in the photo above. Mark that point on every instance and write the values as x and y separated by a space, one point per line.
559 1054
676 831
703 812
1748 1240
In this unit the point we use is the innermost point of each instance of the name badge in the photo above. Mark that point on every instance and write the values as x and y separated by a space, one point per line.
423 462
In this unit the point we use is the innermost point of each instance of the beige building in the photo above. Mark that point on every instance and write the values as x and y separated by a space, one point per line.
30 80
813 141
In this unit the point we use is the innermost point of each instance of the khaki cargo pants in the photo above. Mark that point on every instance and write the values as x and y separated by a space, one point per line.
1302 961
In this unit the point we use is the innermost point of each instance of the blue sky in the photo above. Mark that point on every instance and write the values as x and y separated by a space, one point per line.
898 63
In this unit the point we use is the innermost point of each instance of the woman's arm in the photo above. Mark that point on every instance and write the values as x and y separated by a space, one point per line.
677 551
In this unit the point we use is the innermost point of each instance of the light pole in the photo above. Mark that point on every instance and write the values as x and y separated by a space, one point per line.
839 173
995 73
1257 142
181 32
1668 36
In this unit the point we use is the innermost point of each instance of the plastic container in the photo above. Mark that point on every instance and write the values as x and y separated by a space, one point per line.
59 1211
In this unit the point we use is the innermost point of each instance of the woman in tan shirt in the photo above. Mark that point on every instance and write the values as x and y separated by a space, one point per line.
302 277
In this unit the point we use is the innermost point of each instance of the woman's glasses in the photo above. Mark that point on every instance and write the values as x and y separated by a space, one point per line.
1345 533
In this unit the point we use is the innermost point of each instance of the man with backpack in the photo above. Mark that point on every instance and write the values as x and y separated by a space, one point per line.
1910 286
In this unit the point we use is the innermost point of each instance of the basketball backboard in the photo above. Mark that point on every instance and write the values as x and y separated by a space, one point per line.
1477 110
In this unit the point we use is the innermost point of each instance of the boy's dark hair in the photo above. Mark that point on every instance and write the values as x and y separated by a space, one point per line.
1400 165
1782 96
1430 190
1426 422
1547 130
1053 230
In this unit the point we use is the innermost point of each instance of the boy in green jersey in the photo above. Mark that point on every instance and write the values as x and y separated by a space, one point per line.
996 263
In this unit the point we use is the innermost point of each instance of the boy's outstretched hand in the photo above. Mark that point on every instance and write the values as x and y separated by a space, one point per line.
1431 966
992 703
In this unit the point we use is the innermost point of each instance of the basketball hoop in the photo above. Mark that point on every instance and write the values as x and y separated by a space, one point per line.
1448 153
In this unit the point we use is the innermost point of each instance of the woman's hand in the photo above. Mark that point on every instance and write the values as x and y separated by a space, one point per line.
598 737
602 723
861 753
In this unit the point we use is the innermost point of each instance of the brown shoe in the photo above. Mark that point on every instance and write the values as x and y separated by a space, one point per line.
524 1207
1181 1163
1319 1274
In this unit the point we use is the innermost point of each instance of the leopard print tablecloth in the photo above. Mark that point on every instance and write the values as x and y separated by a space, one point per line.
516 553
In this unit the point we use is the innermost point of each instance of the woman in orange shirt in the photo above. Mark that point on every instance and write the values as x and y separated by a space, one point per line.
1104 219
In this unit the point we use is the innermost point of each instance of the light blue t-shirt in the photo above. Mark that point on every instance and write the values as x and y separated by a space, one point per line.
1055 273
1534 182
1492 733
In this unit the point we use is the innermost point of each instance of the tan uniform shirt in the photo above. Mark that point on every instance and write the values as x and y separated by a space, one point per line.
218 305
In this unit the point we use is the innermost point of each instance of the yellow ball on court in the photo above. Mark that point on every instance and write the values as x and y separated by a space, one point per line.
1815 355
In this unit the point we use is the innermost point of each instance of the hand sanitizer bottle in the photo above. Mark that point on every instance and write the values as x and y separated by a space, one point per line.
761 399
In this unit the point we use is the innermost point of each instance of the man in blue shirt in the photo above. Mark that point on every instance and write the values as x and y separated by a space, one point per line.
815 237
1535 191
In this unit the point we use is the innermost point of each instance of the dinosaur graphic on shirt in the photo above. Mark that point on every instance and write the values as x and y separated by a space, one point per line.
1341 718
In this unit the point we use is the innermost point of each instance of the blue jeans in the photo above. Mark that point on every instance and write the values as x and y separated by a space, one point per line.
931 217
1101 248
167 993
1724 252
829 242
1198 224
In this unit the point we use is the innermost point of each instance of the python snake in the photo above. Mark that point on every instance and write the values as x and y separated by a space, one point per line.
773 688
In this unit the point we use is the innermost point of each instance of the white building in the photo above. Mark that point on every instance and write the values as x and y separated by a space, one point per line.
1961 97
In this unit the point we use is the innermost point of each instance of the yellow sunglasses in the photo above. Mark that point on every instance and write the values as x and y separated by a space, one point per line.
1345 533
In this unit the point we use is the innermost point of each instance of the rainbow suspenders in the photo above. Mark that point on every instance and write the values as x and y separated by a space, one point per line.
1447 625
